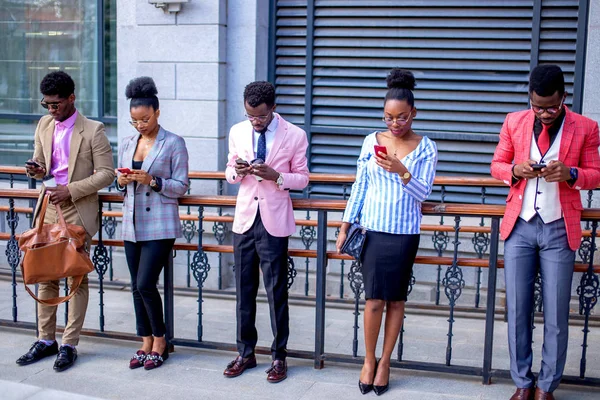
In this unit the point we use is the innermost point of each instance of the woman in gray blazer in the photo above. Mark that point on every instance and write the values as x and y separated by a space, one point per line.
152 174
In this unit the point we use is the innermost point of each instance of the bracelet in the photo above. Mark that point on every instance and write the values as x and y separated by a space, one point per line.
516 178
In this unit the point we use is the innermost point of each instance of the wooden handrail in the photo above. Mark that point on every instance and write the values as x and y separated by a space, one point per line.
316 178
428 208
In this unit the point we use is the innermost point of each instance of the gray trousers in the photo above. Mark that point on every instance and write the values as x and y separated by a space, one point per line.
532 244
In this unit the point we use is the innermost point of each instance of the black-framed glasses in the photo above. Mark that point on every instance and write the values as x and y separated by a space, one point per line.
550 110
136 123
400 121
50 105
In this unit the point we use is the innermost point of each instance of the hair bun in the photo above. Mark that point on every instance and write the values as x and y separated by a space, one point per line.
400 79
142 87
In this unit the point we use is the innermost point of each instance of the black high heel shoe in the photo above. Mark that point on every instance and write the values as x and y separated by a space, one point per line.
379 390
364 387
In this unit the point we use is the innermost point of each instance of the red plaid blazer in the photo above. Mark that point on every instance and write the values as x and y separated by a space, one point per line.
578 148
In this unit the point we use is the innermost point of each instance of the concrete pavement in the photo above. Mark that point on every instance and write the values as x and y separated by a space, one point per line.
101 370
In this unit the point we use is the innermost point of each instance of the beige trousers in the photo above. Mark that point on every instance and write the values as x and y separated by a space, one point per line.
46 290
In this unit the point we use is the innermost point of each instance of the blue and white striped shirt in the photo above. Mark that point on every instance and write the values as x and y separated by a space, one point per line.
381 201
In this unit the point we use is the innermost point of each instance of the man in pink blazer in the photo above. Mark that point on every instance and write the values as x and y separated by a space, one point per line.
547 155
267 157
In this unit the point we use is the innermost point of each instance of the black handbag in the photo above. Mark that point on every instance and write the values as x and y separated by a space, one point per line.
355 239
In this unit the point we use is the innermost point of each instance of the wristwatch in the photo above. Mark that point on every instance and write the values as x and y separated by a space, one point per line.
153 183
574 174
279 180
406 176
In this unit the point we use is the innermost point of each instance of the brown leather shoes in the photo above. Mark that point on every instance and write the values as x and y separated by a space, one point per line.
541 395
523 394
238 366
277 372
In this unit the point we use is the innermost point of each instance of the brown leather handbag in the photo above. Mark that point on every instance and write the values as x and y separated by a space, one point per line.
52 252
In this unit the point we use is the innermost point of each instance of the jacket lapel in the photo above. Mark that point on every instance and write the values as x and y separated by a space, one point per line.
280 135
127 159
568 131
46 138
76 139
526 137
154 151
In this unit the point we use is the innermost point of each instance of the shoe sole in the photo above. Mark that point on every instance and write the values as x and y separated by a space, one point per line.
34 361
277 381
235 376
61 369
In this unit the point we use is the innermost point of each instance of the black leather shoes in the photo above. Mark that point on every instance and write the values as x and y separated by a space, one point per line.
38 351
66 358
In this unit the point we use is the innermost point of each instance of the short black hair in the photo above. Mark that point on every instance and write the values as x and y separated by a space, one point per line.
257 93
545 80
57 83
400 83
142 92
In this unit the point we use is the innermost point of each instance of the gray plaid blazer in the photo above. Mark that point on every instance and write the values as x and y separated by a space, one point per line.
156 213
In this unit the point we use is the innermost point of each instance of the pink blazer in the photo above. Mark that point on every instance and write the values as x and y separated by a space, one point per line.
578 148
288 157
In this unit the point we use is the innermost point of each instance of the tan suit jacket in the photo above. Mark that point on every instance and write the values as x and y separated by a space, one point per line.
91 166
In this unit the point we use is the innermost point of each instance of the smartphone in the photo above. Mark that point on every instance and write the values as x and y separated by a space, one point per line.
242 162
380 149
33 164
124 170
538 167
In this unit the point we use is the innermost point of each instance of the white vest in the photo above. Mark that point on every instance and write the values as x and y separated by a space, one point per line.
542 197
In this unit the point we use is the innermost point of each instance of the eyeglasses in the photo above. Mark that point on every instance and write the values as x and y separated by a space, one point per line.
260 118
135 123
550 110
53 105
400 121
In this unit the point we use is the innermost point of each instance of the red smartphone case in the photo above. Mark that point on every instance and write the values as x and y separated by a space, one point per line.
380 149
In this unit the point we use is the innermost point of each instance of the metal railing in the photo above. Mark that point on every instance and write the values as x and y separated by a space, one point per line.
485 240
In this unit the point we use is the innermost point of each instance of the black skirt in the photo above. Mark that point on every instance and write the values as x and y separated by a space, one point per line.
387 263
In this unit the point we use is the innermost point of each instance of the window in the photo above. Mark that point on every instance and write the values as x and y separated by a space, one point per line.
41 36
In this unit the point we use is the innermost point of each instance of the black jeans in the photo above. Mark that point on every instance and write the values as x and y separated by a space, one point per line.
253 249
146 261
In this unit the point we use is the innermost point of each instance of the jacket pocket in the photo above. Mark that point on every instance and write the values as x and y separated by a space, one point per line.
168 200
576 204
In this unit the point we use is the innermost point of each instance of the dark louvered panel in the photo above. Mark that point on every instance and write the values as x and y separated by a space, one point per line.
290 59
471 60
558 37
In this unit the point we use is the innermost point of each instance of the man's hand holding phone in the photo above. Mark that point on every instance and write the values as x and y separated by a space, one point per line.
34 168
242 167
525 170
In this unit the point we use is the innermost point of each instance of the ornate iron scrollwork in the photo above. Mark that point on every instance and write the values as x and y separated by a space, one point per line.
355 277
588 292
308 234
585 249
13 254
200 267
481 243
440 241
453 283
220 231
291 275
101 259
189 230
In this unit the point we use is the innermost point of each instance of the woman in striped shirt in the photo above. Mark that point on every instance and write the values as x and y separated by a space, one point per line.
386 198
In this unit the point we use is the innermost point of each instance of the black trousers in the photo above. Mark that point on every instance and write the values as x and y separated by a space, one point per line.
146 261
252 250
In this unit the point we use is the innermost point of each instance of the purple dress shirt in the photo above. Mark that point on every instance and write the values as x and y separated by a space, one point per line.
61 148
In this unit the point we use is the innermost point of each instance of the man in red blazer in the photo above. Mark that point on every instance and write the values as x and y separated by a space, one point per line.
547 154
267 157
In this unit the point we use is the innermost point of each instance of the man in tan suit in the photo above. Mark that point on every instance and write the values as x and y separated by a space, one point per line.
76 153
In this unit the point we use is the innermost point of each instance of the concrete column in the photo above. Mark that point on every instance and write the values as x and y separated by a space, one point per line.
185 54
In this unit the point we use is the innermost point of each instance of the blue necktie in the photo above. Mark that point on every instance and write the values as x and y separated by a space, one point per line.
261 149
